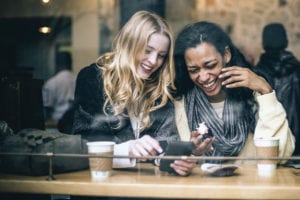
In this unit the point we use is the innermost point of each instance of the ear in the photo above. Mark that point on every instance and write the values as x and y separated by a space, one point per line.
227 56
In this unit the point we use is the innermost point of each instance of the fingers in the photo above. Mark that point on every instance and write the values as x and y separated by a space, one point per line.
239 77
204 146
145 146
208 144
195 134
243 77
196 137
183 167
235 76
151 144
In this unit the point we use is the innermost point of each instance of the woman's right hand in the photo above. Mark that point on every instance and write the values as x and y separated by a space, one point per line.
201 146
235 77
144 146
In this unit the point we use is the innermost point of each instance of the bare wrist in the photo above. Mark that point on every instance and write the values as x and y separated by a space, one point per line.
266 90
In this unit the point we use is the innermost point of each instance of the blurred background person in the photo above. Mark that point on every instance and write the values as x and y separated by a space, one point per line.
58 91
282 70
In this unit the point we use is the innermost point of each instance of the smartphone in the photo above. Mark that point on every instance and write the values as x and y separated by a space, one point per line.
178 148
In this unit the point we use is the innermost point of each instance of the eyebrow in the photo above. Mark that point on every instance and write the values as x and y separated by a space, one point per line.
205 63
210 61
148 46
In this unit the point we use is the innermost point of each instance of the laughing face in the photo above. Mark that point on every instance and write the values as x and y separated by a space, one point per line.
154 55
204 64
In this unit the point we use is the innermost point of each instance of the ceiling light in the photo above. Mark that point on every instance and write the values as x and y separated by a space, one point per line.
45 1
45 29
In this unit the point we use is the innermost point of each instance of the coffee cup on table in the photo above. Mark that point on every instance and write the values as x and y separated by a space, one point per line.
266 148
100 167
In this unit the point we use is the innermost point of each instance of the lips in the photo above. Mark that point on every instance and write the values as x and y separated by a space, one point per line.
144 71
209 85
145 67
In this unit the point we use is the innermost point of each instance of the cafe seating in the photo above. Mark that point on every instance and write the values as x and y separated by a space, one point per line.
21 104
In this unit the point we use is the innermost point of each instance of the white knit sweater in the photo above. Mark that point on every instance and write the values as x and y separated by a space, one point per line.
271 122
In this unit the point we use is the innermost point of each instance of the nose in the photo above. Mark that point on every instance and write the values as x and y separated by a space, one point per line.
152 58
203 75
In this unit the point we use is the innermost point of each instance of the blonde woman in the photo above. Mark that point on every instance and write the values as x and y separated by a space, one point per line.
125 97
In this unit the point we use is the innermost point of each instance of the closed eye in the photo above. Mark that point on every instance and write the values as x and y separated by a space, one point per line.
162 55
148 51
193 70
211 65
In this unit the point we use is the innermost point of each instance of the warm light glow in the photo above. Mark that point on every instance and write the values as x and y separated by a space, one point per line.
46 1
45 29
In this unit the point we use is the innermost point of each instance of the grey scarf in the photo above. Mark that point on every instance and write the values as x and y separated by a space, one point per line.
231 131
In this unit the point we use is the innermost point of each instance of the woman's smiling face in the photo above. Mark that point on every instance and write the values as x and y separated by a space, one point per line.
204 64
154 55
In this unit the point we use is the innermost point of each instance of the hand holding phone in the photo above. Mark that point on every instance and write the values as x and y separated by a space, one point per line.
179 148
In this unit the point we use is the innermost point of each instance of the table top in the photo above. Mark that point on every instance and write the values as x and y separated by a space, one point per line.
147 180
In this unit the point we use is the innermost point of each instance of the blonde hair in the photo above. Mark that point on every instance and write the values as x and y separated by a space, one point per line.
124 89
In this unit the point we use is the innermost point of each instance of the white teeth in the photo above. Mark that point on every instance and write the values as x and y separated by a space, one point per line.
147 68
209 84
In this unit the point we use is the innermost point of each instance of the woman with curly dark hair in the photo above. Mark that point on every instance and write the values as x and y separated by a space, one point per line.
217 86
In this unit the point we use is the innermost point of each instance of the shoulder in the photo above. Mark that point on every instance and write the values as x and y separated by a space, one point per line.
91 72
92 69
89 80
51 82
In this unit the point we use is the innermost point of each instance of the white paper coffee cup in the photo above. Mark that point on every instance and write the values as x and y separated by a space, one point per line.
266 148
100 167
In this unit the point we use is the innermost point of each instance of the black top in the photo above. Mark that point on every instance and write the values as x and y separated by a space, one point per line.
91 122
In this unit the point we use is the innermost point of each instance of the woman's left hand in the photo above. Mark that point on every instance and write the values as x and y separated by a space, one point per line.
201 146
183 167
243 77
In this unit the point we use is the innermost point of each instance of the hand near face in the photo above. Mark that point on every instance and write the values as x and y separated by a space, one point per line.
243 77
201 146
144 146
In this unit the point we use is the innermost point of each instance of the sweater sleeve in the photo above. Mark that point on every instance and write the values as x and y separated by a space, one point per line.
89 118
272 122
122 150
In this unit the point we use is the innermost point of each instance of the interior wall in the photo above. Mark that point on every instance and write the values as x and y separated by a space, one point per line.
244 19
96 22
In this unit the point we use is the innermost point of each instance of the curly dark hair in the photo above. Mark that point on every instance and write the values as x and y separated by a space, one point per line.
206 32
